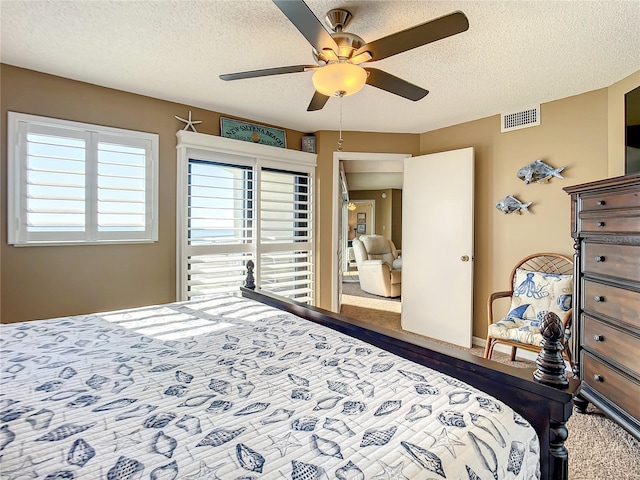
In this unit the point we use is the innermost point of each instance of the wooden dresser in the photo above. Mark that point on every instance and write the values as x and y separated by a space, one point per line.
605 224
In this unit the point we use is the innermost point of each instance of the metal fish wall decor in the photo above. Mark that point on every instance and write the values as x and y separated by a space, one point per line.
538 171
510 204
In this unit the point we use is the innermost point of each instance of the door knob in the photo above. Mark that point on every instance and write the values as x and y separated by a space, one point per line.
464 258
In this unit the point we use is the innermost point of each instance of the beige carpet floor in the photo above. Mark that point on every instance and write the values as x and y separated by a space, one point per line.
599 449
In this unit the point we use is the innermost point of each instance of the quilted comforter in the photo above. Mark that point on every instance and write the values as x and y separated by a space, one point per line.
228 388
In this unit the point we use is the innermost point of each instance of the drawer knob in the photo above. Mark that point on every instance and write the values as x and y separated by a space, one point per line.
600 224
599 298
598 378
598 338
601 203
599 258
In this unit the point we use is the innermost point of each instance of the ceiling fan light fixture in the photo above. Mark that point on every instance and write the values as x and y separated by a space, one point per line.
339 78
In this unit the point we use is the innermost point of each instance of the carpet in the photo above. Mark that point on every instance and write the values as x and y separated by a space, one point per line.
599 448
352 288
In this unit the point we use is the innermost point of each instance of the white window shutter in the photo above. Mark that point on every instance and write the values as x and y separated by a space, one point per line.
53 184
286 259
124 198
72 182
230 220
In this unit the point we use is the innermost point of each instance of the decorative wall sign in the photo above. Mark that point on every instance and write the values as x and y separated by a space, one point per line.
251 132
309 144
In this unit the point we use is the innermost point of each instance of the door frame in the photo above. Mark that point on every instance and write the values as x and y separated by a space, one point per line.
337 157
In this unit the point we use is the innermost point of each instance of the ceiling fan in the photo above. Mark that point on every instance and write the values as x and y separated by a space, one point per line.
339 54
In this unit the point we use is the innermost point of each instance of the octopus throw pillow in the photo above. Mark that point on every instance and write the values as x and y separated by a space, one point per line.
536 293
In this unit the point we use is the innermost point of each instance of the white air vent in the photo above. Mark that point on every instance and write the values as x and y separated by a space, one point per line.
521 119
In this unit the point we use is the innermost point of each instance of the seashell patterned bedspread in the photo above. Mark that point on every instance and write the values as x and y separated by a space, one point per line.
228 388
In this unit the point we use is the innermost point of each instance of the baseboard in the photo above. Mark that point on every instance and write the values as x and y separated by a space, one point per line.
522 353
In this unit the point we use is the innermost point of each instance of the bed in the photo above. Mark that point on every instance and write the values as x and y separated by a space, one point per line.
259 387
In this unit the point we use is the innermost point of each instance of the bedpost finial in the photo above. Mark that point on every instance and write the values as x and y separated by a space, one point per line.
250 281
551 367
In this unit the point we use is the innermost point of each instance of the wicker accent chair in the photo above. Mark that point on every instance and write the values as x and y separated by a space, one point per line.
545 281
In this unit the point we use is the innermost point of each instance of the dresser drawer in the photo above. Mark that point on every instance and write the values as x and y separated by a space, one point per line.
617 387
622 261
607 201
595 223
610 342
617 303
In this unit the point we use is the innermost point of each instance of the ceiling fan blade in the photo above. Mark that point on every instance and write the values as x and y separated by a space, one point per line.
392 84
417 36
317 102
267 72
307 23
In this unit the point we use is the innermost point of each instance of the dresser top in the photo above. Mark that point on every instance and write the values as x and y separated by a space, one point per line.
623 181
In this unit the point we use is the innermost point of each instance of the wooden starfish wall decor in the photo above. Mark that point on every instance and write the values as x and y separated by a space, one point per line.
189 123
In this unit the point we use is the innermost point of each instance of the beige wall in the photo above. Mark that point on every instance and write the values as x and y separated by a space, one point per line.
573 132
616 130
388 212
39 282
382 209
43 282
396 217
326 142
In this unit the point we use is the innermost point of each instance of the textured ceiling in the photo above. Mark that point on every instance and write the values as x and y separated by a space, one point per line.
516 54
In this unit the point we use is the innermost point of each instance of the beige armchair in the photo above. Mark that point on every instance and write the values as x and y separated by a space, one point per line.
379 266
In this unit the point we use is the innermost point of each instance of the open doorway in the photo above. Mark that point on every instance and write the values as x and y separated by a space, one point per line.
370 178
428 200
360 220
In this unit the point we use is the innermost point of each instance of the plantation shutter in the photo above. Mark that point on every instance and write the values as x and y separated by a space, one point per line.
219 226
286 260
124 201
71 182
240 212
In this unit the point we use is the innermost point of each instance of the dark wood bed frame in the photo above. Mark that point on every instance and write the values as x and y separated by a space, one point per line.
547 408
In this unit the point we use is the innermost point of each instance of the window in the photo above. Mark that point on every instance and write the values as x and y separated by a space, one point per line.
219 226
285 232
237 208
75 183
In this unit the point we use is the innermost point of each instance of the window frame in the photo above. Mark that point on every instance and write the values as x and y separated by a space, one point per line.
94 135
216 149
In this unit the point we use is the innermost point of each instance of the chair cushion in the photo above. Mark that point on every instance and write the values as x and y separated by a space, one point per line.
536 293
523 331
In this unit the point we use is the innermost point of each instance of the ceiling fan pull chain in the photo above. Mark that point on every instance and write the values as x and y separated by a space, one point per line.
340 139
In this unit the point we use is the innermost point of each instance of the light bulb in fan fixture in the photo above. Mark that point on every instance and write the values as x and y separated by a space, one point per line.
342 79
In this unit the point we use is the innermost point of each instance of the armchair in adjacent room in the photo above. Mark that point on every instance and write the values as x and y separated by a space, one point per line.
379 266
539 283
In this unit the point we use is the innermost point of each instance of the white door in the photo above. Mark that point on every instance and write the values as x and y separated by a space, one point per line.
437 246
